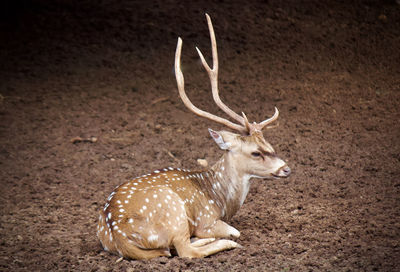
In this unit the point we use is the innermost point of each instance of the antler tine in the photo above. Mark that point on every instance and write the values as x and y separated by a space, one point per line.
268 121
181 88
254 127
213 74
246 123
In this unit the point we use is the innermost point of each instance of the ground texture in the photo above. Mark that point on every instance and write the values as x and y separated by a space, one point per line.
104 69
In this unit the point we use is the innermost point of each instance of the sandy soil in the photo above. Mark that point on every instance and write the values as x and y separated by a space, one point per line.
105 69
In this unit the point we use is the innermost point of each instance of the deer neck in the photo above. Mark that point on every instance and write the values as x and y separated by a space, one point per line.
227 186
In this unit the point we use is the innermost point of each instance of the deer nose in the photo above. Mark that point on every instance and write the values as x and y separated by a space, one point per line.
284 171
287 170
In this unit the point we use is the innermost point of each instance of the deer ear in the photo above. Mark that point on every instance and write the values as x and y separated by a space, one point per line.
219 140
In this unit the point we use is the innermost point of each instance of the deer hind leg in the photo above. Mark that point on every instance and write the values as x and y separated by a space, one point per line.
219 229
131 251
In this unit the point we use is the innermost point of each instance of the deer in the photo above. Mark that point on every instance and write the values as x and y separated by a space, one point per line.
182 211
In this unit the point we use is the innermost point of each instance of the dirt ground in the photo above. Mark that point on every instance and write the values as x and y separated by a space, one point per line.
104 69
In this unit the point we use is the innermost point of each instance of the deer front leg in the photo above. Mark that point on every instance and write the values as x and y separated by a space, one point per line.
219 229
201 247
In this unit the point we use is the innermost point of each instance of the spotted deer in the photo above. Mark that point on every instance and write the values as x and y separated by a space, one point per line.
175 208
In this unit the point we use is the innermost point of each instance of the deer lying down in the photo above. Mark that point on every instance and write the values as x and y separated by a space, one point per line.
147 216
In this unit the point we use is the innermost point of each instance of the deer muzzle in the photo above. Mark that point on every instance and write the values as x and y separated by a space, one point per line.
283 172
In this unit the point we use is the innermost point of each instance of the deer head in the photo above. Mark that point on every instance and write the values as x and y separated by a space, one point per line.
251 154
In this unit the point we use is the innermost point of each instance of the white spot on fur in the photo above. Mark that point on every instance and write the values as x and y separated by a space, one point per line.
152 238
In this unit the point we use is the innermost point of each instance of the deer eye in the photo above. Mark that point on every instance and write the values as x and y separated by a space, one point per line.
256 154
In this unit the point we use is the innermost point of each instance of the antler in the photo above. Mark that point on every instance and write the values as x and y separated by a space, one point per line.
244 126
213 74
181 87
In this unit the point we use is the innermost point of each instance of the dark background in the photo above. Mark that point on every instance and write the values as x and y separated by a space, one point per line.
105 69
